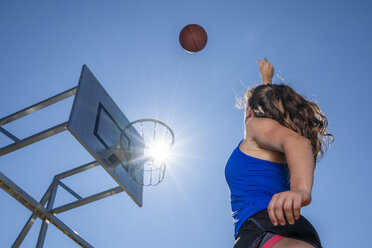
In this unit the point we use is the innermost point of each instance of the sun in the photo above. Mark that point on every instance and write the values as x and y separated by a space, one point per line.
158 151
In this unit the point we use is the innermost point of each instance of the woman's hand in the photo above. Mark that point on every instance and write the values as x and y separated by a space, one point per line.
266 71
287 203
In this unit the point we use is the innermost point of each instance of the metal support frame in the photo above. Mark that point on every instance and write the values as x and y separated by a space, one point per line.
38 209
26 111
68 189
80 200
38 106
44 225
87 200
49 198
31 220
77 170
33 138
46 214
10 135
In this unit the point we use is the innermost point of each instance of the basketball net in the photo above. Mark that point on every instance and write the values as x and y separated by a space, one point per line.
145 146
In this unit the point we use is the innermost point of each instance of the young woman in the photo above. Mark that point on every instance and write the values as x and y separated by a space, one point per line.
270 173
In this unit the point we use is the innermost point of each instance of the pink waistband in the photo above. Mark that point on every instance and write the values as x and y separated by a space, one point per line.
272 241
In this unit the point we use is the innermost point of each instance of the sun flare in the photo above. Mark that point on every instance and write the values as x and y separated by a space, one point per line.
159 151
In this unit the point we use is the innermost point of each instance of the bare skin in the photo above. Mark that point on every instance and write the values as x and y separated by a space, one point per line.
250 147
291 243
266 71
267 139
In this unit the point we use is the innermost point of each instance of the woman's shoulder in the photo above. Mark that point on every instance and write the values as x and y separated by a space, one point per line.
261 124
270 134
249 147
256 127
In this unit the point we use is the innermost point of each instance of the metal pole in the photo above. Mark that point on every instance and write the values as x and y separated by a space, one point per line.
38 106
44 225
77 170
68 189
34 138
17 243
9 134
87 200
25 199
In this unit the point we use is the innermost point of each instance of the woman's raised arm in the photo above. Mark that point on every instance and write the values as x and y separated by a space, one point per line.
266 71
269 134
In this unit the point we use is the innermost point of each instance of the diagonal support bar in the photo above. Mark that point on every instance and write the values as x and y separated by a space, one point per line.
25 199
38 106
68 189
87 200
77 170
8 134
44 225
22 235
45 198
34 138
17 243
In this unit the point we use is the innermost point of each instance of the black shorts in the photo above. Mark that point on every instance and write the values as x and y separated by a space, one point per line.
253 231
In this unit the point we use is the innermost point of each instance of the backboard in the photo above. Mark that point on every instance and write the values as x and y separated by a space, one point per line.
97 122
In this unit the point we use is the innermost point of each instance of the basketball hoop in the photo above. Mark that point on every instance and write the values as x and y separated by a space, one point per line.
146 155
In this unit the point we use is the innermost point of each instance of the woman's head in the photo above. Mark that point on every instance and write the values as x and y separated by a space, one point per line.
284 105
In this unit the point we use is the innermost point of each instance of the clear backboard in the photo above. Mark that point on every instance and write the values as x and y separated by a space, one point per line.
97 123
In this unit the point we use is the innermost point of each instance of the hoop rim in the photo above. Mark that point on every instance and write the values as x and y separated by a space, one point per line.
151 120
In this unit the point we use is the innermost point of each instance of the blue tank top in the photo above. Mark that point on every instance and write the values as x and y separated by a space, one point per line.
252 182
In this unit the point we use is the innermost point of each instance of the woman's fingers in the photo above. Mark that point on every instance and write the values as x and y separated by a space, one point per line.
270 210
262 63
259 62
278 209
297 207
266 71
284 205
288 209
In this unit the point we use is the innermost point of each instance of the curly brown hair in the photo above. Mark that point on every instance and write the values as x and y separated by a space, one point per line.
284 105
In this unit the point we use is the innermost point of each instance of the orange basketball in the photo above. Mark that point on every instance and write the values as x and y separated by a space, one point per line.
193 38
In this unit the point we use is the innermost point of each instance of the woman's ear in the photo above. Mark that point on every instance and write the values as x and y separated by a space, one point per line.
248 113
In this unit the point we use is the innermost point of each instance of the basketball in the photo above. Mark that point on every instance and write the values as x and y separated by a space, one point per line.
193 38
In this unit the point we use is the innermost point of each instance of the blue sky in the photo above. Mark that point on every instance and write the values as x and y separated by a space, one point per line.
320 48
